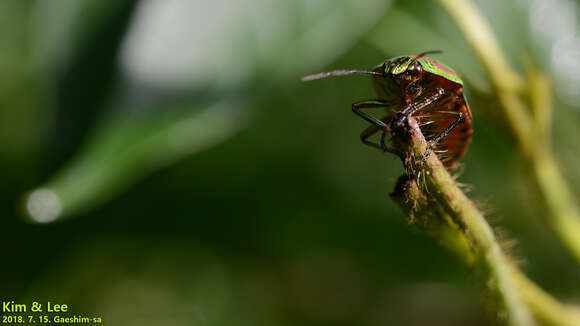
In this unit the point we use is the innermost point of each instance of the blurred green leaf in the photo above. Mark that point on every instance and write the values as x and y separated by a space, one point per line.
127 149
173 48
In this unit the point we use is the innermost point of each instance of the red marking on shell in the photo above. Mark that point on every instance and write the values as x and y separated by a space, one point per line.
436 64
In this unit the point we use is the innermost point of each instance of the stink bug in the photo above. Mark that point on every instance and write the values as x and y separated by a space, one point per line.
425 89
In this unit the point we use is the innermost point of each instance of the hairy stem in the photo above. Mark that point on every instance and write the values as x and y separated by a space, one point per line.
427 214
451 201
528 121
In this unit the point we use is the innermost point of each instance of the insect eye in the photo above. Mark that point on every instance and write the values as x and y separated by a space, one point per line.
417 70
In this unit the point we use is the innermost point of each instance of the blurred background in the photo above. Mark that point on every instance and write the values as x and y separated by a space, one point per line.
162 163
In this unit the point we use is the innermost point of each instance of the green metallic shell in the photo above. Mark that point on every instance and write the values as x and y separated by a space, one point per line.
399 65
440 69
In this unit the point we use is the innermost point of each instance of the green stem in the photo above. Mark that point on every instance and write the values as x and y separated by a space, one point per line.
124 151
529 124
557 197
547 310
428 215
445 192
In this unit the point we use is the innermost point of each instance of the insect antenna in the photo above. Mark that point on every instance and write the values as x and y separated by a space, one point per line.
429 52
339 73
423 54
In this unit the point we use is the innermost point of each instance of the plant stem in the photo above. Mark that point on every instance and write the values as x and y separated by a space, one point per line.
547 310
529 123
445 192
557 197
428 215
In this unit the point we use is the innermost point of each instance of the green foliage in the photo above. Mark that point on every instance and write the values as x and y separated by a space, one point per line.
191 176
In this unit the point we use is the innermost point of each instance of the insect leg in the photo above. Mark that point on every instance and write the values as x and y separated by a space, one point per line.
371 130
415 107
460 119
423 103
377 124
358 106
